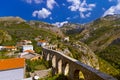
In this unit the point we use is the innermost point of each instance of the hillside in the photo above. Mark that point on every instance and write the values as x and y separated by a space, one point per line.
47 26
103 38
4 36
70 28
95 44
18 29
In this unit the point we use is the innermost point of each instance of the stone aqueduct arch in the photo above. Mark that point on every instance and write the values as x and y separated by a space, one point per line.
73 69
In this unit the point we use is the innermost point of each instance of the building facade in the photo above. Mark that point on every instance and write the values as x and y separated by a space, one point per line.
12 69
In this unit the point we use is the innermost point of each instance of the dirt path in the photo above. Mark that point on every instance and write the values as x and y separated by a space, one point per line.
41 73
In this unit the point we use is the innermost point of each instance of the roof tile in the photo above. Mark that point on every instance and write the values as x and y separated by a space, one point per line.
6 64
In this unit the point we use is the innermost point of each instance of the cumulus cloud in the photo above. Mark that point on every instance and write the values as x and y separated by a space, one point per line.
51 3
81 6
88 15
44 13
34 1
60 24
113 9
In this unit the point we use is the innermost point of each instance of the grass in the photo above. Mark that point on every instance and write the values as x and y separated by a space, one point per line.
40 67
107 68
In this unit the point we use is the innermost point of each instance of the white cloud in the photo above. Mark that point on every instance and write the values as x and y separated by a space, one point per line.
103 9
51 18
75 5
88 15
113 9
38 1
44 13
51 3
60 24
34 1
68 18
63 4
81 6
82 15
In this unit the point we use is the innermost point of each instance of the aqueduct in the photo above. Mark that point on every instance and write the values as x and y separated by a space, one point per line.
72 68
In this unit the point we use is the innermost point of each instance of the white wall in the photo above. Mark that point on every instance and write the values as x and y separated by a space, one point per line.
27 47
15 74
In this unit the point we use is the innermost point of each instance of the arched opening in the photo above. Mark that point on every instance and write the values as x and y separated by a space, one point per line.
45 55
66 71
54 61
59 66
78 75
81 76
48 57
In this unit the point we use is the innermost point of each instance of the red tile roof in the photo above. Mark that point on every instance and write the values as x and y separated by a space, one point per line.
9 47
30 51
42 41
13 63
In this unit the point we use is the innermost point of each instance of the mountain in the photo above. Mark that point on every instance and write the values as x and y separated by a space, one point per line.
95 44
102 36
98 34
70 28
47 26
11 19
20 29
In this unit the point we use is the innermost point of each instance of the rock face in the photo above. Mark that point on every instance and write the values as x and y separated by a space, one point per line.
47 26
98 34
69 28
87 56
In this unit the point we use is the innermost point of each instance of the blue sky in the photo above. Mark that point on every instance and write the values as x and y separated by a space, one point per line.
59 11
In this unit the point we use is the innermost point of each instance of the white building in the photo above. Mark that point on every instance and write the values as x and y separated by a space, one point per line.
66 39
41 43
12 69
27 47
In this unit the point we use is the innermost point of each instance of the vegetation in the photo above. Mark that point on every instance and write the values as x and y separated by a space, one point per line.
36 65
107 68
56 77
23 31
4 54
75 53
111 55
98 35
4 36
